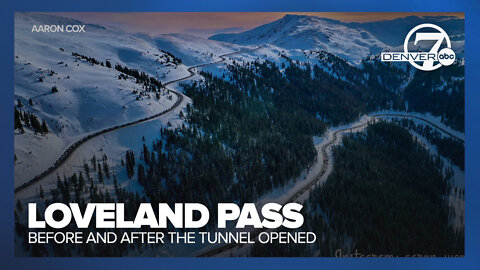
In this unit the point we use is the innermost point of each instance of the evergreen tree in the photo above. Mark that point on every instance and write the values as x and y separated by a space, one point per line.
146 154
81 182
94 163
17 121
44 128
130 163
106 168
42 195
100 173
87 170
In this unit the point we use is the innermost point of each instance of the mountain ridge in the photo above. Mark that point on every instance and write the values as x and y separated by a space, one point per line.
352 41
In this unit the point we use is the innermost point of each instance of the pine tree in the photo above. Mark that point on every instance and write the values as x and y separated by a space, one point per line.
87 170
106 169
146 154
94 163
42 195
60 186
66 193
44 127
37 127
115 185
81 182
130 163
17 121
141 174
100 173
26 118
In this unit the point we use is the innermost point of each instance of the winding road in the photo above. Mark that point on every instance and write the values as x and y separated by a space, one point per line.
396 115
318 179
321 177
74 146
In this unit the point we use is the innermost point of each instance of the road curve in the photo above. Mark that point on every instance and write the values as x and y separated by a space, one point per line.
317 180
69 151
296 195
397 115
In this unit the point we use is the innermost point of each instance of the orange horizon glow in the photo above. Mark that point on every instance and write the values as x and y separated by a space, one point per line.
209 23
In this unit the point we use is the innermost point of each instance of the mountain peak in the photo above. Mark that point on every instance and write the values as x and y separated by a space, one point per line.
351 41
289 16
312 33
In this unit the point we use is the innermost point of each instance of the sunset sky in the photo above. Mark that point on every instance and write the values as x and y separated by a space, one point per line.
208 23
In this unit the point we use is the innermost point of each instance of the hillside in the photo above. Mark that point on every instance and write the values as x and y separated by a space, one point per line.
90 94
351 41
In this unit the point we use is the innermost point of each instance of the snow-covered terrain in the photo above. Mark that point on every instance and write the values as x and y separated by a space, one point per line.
297 190
307 32
91 96
351 41
456 201
393 32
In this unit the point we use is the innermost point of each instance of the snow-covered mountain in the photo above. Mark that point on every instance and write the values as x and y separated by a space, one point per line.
393 32
308 32
351 41
91 96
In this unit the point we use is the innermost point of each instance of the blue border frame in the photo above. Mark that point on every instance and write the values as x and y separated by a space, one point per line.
472 112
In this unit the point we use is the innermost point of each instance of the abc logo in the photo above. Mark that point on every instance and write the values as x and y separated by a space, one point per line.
446 56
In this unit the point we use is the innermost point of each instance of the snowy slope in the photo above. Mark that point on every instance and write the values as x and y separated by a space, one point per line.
308 32
351 41
90 97
393 32
194 50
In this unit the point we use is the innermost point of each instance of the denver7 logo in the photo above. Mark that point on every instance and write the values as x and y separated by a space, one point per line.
444 57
